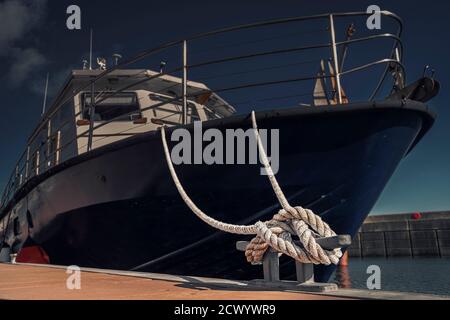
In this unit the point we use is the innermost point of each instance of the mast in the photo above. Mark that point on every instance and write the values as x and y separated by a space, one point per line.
90 50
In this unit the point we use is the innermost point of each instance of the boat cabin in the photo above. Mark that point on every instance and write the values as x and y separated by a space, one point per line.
126 102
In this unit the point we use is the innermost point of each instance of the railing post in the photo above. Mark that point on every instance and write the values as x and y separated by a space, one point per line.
400 79
57 148
38 162
49 136
184 84
397 54
335 60
91 118
16 179
27 164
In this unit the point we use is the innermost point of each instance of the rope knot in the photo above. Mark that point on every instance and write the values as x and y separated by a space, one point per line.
277 233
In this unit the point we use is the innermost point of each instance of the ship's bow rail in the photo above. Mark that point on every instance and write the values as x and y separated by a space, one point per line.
326 59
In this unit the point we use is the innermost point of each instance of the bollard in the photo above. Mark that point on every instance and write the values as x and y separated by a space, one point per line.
271 266
304 271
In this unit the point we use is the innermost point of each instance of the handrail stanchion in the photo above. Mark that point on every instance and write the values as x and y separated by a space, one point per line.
27 164
91 118
49 141
397 54
400 80
335 59
184 93
58 145
38 162
16 178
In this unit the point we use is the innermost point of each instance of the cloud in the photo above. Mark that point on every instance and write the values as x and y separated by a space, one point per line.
18 19
25 63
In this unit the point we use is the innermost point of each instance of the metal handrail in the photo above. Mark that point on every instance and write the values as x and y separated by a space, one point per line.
148 52
258 54
372 37
368 65
60 102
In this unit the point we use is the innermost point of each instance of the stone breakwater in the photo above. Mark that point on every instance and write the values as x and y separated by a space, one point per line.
408 234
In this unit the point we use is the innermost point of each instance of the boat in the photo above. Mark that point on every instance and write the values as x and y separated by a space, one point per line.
92 187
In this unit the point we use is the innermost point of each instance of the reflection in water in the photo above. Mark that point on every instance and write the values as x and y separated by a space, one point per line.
342 277
423 275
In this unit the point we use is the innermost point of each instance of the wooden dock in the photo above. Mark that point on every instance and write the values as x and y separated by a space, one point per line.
47 282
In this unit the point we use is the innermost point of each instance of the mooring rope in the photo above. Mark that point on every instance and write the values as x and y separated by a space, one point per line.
277 232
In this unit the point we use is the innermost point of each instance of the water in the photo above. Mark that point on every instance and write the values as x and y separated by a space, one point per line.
421 275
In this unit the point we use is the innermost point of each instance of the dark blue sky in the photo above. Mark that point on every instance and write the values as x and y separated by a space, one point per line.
34 40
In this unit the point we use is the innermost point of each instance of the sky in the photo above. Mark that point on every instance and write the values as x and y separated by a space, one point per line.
34 40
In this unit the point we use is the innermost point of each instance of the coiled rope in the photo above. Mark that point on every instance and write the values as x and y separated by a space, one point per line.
277 232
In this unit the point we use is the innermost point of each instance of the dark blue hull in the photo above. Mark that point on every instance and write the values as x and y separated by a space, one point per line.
118 208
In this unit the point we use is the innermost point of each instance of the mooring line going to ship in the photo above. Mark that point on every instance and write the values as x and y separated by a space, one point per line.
277 232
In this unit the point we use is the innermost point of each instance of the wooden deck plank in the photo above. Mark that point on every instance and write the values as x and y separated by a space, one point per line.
41 282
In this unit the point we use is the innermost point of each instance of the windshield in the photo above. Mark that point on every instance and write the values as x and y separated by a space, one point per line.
120 107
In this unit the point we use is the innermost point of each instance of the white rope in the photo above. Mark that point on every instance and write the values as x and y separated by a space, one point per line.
277 232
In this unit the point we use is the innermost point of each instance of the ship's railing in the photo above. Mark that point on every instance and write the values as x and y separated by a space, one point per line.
46 153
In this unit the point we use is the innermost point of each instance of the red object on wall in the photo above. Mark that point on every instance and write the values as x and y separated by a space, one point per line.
416 216
32 254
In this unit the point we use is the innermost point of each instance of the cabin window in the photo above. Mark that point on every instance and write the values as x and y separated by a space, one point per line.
120 107
191 108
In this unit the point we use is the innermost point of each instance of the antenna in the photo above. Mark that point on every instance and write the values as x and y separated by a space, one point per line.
161 66
45 95
116 58
90 50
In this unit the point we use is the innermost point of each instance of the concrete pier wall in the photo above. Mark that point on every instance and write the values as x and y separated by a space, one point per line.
427 234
